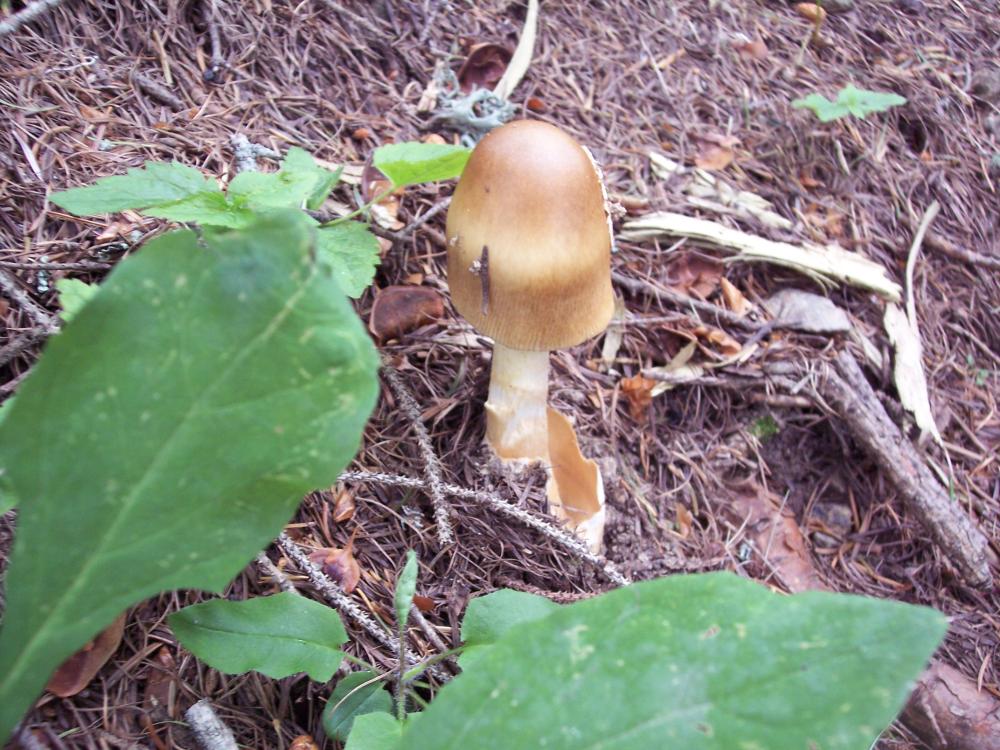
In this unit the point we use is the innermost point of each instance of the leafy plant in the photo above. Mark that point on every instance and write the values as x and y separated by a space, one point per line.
850 101
171 428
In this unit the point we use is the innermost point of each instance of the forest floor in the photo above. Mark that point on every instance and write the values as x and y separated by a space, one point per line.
693 474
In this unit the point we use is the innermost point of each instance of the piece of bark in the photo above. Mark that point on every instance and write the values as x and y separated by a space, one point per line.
948 712
846 390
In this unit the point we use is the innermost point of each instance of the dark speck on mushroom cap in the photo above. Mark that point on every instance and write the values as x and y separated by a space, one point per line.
532 195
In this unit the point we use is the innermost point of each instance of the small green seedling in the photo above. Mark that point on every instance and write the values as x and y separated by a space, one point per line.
850 101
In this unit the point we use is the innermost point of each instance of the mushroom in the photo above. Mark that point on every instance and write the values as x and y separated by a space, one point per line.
529 265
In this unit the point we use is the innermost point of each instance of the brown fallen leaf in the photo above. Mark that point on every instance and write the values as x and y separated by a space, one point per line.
397 310
715 152
810 12
638 392
77 671
361 134
484 67
424 603
776 537
339 564
734 298
718 339
303 742
684 520
343 506
693 275
755 49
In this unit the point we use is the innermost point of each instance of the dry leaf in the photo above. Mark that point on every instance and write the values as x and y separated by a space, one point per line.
303 742
434 138
719 340
810 12
361 134
638 391
77 671
752 48
776 537
343 506
535 104
339 564
734 298
397 310
424 603
684 520
716 152
908 372
484 67
805 311
693 275
157 696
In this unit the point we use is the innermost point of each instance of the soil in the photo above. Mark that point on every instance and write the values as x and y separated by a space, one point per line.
91 88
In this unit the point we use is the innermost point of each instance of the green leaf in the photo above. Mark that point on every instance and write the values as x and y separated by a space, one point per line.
488 618
170 431
73 295
412 163
850 101
406 587
301 161
700 662
357 694
272 189
375 731
157 184
352 252
278 635
207 209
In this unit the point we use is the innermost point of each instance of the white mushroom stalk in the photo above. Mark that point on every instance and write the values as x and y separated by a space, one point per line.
517 408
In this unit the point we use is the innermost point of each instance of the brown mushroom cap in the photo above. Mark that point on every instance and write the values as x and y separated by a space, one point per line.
531 195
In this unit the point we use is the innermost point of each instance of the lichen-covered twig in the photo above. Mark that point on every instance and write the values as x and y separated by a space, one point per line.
275 573
11 289
27 15
432 466
564 539
209 730
247 153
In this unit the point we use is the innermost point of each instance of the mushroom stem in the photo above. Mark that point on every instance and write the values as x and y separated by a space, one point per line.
516 411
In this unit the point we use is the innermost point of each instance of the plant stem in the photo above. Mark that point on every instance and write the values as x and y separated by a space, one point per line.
377 199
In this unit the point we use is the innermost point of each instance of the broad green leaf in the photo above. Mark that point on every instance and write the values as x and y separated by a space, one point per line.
406 587
357 694
207 209
700 662
412 163
272 189
278 635
155 185
170 431
375 731
299 160
352 252
850 101
73 295
488 618
6 495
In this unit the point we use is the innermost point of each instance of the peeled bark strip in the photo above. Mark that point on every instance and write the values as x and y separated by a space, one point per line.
847 390
949 712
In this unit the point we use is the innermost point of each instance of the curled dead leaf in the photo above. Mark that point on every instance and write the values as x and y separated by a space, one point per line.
339 564
755 49
718 339
810 12
638 391
484 67
77 671
397 310
684 520
693 275
343 505
734 298
716 152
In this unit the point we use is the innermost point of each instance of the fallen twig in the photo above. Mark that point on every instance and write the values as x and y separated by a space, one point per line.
10 287
157 91
27 15
849 393
432 465
566 540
